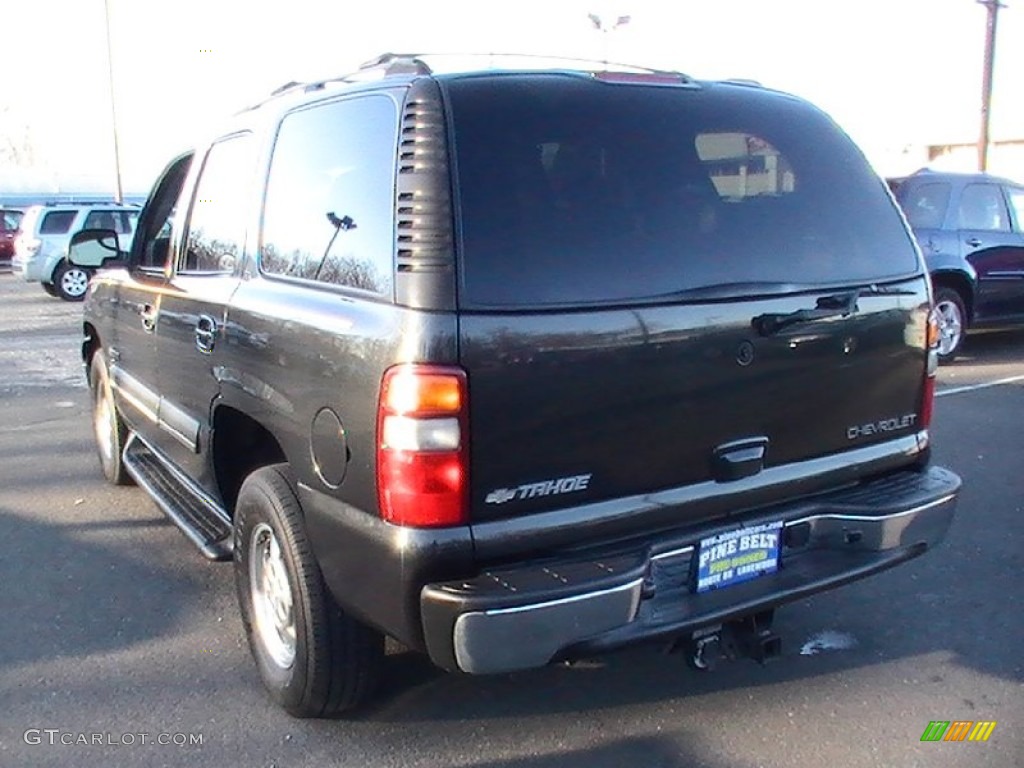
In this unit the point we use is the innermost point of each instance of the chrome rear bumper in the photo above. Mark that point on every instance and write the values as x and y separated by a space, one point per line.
528 616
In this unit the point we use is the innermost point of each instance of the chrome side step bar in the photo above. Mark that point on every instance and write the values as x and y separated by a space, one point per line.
200 518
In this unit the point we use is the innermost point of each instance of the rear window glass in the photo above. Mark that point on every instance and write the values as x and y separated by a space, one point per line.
57 222
573 192
925 204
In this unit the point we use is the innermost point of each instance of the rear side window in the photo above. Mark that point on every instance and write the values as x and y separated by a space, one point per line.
57 222
982 207
122 222
925 204
329 209
573 192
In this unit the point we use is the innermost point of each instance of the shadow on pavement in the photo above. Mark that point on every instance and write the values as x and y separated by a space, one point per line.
64 597
645 751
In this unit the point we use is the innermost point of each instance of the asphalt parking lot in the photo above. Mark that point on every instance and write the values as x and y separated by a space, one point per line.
115 629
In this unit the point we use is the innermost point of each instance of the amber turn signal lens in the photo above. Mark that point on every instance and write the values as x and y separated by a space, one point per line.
413 391
933 329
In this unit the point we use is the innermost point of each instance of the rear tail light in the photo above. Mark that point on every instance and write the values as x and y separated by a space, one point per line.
422 446
26 244
928 398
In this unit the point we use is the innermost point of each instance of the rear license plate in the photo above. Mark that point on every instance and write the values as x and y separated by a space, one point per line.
737 556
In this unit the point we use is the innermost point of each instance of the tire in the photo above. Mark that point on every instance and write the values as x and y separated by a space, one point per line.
71 282
315 660
50 289
952 317
108 427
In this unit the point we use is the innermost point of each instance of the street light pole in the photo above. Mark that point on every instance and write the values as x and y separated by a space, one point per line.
604 29
992 6
113 108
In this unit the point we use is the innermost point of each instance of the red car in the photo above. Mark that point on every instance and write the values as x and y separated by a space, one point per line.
10 218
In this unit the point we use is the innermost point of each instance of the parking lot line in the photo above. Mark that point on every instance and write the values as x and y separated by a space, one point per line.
983 385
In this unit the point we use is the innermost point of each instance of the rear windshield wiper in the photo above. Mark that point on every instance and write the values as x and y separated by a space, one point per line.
837 305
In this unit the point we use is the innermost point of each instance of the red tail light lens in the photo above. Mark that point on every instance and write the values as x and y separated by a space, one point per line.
927 402
422 446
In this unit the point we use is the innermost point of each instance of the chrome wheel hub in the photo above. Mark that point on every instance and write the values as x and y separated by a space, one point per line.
104 423
951 326
74 282
271 594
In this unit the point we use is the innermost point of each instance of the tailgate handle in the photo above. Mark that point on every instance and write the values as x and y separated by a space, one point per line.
827 307
739 459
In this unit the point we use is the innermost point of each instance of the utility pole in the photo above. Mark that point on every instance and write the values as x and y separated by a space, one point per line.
113 108
992 6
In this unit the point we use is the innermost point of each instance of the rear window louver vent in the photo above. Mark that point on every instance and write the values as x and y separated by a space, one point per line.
424 241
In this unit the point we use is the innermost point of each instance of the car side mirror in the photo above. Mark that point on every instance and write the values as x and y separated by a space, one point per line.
94 248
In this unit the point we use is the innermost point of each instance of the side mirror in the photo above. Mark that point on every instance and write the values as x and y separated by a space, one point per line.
94 248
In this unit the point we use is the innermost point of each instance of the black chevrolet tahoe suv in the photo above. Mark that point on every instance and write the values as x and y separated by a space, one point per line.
520 366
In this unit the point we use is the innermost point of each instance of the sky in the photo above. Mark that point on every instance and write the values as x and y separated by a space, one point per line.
894 73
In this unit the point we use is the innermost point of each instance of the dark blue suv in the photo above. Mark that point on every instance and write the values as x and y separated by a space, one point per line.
971 230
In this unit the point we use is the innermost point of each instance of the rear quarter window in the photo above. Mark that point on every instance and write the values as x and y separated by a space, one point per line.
57 222
328 215
573 192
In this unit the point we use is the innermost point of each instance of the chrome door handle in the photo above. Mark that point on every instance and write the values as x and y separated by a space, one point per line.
206 334
148 315
973 242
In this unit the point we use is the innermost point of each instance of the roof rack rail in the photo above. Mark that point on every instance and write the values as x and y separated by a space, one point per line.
74 201
744 81
596 64
388 64
397 64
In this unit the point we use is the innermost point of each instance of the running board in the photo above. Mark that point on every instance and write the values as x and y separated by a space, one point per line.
200 518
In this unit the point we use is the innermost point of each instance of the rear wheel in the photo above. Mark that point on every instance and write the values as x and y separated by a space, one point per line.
51 289
952 318
108 428
70 281
315 660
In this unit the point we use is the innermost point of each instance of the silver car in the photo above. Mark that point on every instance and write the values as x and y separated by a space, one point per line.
41 247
